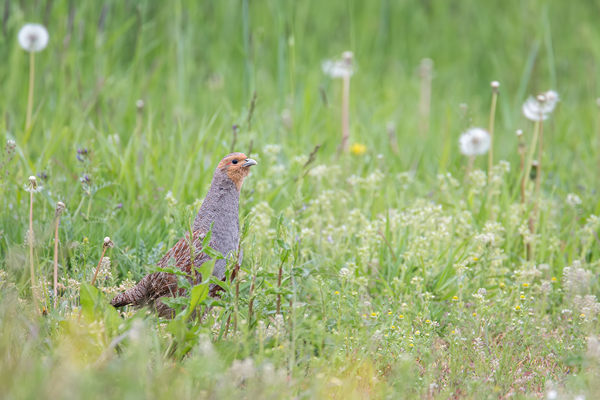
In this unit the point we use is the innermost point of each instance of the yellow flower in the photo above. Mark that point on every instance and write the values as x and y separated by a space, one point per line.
373 314
582 315
522 297
411 345
517 308
453 332
526 285
358 149
502 285
553 279
474 314
427 321
417 333
393 327
336 292
401 316
390 313
454 298
475 259
85 240
364 315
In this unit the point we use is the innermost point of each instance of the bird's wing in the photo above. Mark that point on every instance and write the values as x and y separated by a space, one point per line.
180 254
158 284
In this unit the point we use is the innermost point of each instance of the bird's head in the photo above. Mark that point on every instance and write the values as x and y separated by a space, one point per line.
237 167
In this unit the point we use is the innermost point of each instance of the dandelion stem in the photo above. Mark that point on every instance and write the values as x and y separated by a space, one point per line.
32 270
529 160
278 287
522 150
538 175
425 72
345 112
56 261
251 301
99 263
491 130
469 168
237 296
31 84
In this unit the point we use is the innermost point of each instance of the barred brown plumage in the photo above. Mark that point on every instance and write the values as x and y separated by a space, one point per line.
221 210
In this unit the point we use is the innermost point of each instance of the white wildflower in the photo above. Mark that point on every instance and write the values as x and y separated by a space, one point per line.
474 142
339 68
575 278
171 200
344 272
573 200
319 171
33 37
540 108
272 149
242 370
104 270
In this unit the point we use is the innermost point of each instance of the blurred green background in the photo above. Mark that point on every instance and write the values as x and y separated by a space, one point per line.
196 65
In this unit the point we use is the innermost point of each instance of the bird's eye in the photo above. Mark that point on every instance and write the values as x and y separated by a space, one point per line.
234 162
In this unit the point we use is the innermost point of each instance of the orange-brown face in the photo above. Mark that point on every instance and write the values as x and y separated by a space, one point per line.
237 166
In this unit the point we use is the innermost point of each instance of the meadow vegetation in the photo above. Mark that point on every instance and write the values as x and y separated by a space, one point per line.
400 268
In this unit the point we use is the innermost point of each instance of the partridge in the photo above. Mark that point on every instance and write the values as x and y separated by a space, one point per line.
219 209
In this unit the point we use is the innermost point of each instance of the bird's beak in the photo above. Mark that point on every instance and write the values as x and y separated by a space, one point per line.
249 162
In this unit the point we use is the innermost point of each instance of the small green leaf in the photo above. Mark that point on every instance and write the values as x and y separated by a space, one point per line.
207 237
206 269
218 282
282 244
199 293
212 253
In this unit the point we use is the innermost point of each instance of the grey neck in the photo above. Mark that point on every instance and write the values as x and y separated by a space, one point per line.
221 206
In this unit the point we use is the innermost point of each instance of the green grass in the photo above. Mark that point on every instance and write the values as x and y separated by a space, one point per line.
397 222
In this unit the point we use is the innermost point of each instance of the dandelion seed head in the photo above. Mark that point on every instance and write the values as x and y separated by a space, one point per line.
495 84
552 96
519 132
474 142
272 149
540 108
33 37
60 207
340 68
573 200
426 66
